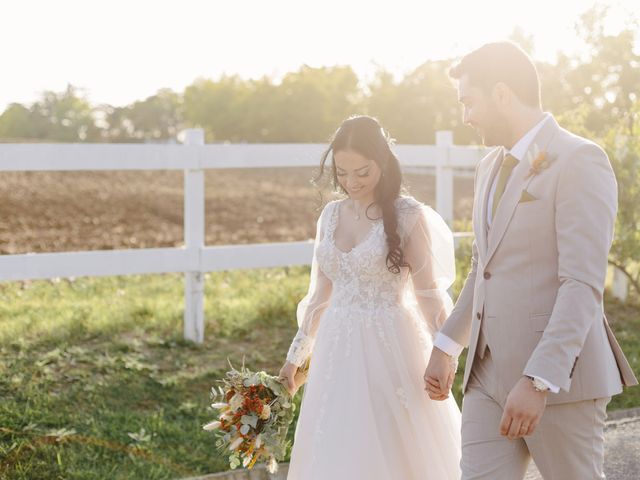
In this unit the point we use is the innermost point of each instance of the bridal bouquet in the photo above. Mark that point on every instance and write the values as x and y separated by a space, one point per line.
255 411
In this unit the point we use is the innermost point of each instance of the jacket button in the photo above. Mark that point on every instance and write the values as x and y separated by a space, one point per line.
478 315
487 275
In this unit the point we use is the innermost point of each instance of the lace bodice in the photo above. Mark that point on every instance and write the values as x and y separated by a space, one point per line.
360 277
359 280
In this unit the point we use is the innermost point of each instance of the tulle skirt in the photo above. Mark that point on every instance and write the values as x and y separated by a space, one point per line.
365 413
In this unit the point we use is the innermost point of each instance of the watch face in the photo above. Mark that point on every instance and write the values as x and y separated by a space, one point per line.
540 386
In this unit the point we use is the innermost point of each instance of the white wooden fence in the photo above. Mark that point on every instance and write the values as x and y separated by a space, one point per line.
194 259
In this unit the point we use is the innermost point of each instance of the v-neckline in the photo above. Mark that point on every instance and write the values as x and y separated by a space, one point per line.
336 219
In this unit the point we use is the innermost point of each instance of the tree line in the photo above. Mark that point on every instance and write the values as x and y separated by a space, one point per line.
589 92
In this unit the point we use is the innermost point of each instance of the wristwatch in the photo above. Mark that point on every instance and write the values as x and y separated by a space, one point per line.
538 385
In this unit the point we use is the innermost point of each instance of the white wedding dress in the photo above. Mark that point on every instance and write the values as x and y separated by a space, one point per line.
365 414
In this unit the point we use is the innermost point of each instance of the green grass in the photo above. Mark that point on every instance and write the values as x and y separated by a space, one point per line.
96 381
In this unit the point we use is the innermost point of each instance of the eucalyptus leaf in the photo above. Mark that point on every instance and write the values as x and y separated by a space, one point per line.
249 420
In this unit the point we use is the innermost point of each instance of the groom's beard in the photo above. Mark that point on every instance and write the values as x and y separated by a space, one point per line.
497 131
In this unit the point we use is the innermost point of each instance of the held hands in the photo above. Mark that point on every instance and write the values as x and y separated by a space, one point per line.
523 410
439 375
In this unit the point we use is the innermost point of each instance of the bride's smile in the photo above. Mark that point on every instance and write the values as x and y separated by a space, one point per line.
357 175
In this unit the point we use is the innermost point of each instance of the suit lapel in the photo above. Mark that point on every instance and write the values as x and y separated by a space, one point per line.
517 183
507 206
485 188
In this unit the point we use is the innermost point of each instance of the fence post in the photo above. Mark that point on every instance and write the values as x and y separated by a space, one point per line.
194 242
444 176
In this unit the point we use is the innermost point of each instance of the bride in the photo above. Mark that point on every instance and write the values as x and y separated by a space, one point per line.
381 267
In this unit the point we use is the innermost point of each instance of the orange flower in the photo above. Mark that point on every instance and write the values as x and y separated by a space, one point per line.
538 162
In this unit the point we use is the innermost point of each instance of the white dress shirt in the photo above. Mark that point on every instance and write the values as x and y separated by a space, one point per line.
444 343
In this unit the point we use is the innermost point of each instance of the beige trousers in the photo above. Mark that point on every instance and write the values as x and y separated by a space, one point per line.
568 443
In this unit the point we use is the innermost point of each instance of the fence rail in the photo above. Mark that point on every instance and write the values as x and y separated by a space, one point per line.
193 158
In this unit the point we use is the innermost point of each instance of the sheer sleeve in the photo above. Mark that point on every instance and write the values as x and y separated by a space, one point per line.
312 306
429 249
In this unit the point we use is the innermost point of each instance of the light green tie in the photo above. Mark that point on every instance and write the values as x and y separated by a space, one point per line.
508 164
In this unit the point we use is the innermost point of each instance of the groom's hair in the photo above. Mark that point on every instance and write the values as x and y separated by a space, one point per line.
502 62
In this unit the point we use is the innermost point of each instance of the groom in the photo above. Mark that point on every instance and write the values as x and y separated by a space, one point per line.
542 362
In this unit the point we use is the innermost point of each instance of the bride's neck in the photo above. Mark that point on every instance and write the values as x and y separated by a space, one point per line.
365 207
362 203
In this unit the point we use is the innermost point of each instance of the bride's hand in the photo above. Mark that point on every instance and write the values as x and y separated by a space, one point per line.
288 374
440 374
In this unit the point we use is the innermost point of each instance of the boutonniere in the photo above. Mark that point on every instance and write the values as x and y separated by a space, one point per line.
539 160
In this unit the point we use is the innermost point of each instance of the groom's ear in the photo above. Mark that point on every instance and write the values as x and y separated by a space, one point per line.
502 95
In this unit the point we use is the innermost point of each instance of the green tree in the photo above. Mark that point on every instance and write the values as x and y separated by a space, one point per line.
623 148
312 102
420 104
65 117
15 123
58 116
157 118
218 107
306 106
262 104
608 77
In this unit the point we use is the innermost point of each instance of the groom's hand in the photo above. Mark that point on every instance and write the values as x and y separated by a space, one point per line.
523 410
438 377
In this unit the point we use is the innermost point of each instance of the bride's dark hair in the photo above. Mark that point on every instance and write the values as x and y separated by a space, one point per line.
364 135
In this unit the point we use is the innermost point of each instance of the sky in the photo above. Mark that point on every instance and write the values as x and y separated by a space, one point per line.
120 51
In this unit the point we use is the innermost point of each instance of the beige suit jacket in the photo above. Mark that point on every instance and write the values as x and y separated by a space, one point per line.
537 278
